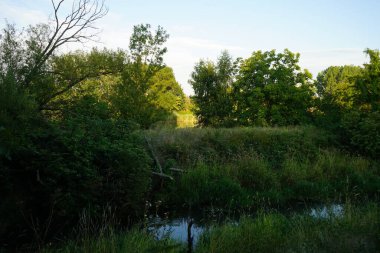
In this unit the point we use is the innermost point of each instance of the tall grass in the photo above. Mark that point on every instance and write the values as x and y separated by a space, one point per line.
191 146
134 241
356 231
258 167
249 169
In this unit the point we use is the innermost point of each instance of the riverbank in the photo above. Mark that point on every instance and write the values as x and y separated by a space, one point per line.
354 229
255 168
256 173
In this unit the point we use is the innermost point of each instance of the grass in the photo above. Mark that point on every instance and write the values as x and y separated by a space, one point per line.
185 119
134 241
250 169
356 231
193 145
260 167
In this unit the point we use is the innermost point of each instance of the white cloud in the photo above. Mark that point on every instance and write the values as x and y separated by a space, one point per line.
20 15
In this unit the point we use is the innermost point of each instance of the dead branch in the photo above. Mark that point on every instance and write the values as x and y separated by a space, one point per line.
70 28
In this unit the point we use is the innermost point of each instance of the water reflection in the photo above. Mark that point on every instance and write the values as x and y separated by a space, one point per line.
176 229
324 212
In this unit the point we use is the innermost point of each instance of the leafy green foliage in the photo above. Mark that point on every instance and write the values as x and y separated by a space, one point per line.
141 94
349 105
68 141
368 84
54 165
87 160
336 84
363 132
271 89
74 72
165 91
212 91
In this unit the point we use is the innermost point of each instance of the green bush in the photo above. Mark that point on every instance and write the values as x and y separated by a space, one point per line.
84 160
363 132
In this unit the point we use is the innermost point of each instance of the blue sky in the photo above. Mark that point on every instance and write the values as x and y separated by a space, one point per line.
325 32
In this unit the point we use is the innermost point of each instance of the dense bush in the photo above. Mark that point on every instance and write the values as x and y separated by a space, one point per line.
363 132
83 161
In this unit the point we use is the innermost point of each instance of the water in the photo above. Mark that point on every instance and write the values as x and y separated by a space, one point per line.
176 228
324 212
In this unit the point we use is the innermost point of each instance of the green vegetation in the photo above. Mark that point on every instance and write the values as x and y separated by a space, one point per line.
82 132
356 231
353 230
270 89
133 241
267 89
250 168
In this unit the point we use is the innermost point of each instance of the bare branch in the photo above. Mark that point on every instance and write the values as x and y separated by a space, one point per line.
83 16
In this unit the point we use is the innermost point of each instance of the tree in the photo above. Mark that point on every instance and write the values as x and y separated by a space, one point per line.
44 40
27 57
336 84
368 84
212 84
271 89
361 125
132 99
165 91
73 73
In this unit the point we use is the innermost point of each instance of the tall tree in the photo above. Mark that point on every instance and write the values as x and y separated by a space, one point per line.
165 92
27 57
132 100
362 123
336 84
212 84
368 84
271 89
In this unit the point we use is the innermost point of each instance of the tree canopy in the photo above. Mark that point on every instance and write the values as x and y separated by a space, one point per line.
337 84
212 84
268 88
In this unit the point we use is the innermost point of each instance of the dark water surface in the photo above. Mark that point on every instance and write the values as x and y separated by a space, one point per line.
177 227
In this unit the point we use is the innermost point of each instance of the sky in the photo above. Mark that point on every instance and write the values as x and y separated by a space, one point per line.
324 32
